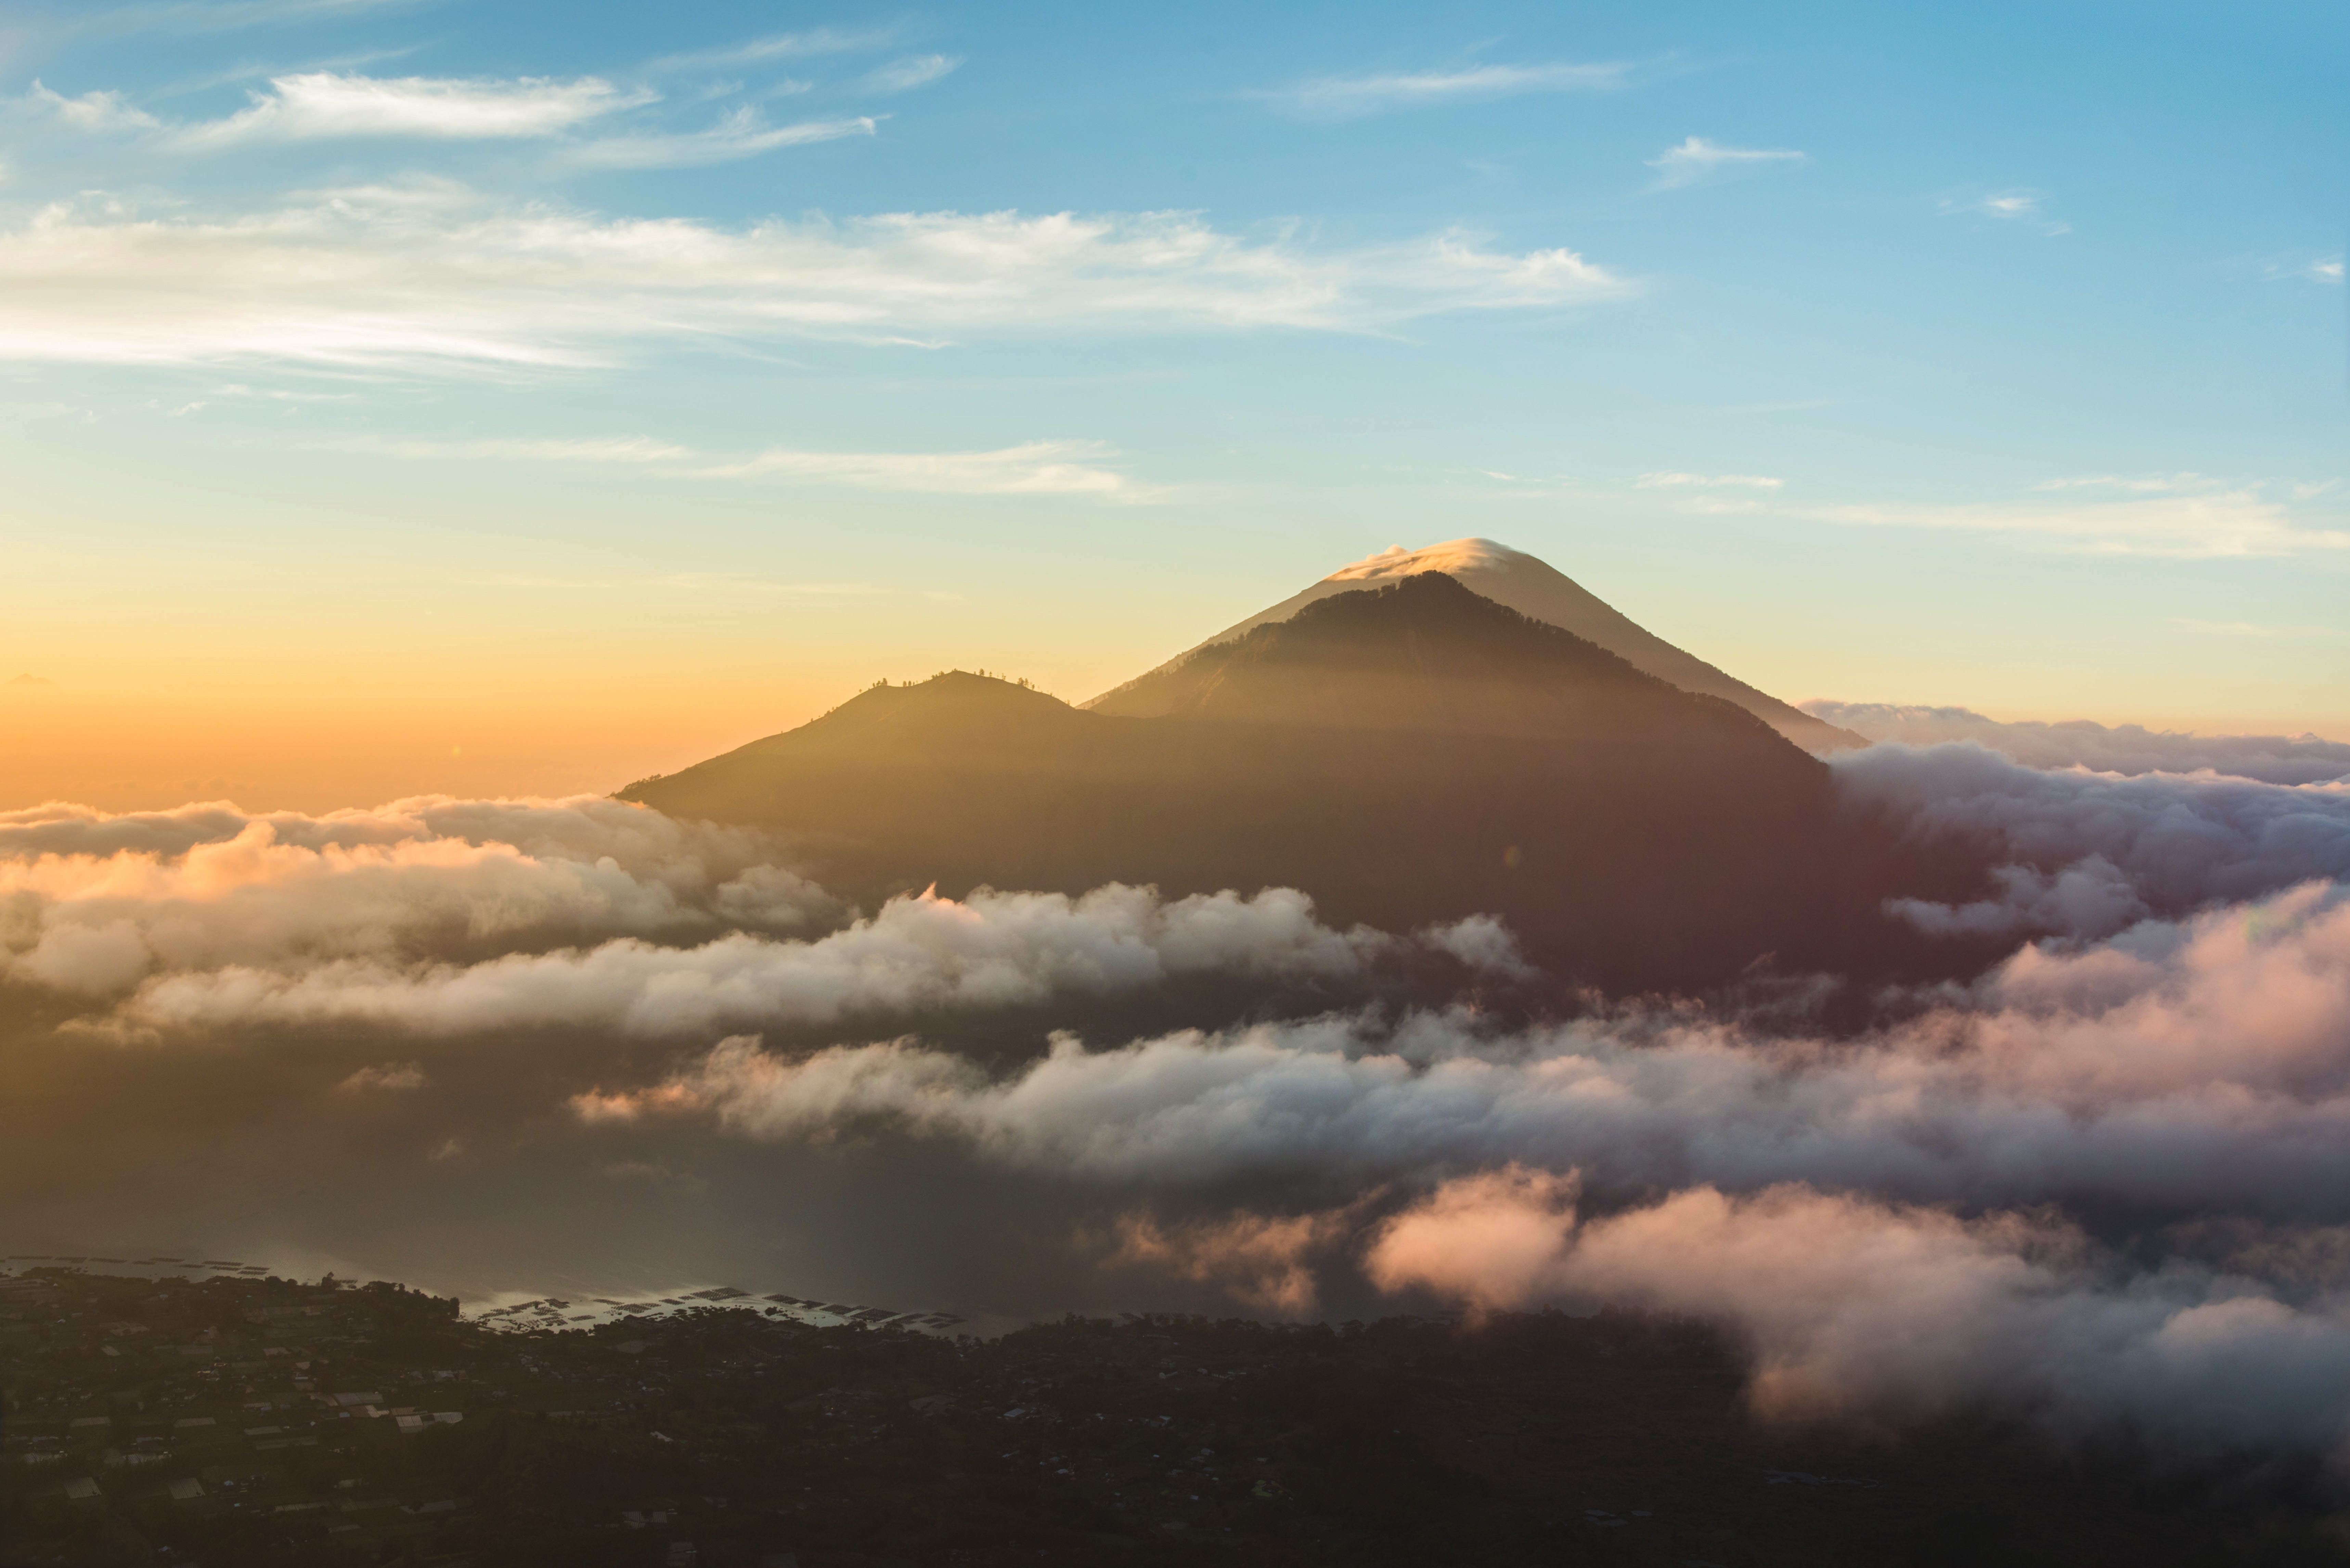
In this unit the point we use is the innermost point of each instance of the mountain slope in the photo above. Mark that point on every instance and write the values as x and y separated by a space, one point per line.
1407 755
1533 588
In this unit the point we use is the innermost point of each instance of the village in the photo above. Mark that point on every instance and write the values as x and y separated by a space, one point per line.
232 1420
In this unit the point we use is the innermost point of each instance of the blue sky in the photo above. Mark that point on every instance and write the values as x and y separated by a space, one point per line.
401 351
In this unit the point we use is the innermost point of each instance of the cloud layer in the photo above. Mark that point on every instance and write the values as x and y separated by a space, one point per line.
2086 855
1857 1307
2085 743
92 903
444 917
2107 1180
2207 1062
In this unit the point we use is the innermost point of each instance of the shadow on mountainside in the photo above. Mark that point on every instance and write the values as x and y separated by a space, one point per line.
1407 755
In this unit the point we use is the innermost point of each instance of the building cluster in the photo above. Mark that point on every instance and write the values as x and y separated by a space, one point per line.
230 1420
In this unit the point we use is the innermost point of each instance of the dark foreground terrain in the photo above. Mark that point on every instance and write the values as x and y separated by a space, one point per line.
250 1421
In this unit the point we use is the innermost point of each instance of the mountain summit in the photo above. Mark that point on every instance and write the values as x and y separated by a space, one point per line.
1532 587
1405 751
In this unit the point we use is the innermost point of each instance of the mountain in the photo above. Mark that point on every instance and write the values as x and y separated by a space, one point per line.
1534 588
1408 753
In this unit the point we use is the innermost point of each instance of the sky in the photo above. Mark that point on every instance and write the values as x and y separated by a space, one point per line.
435 395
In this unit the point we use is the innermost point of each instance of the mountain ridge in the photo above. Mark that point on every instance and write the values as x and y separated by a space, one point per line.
1632 834
1535 590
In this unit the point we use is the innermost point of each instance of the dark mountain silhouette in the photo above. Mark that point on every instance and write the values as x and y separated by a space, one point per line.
1532 587
1408 754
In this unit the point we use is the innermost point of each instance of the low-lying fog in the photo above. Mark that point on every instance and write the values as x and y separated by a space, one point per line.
508 1048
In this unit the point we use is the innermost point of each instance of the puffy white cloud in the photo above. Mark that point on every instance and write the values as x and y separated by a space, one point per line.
1261 1260
92 902
1853 1306
1481 942
428 275
2201 1063
993 950
2088 853
2083 743
437 915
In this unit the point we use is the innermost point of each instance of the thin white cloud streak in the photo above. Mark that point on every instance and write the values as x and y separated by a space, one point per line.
320 105
597 451
2141 485
2294 267
200 16
1350 97
427 276
1697 159
780 46
2081 742
1033 467
904 75
991 949
2240 522
1668 479
744 133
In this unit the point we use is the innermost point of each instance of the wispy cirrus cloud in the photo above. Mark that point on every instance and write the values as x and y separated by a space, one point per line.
631 450
2026 208
1350 97
2303 268
1698 159
781 46
743 133
1080 468
431 277
197 16
92 111
2141 484
316 105
1669 480
2245 521
917 71
1033 467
